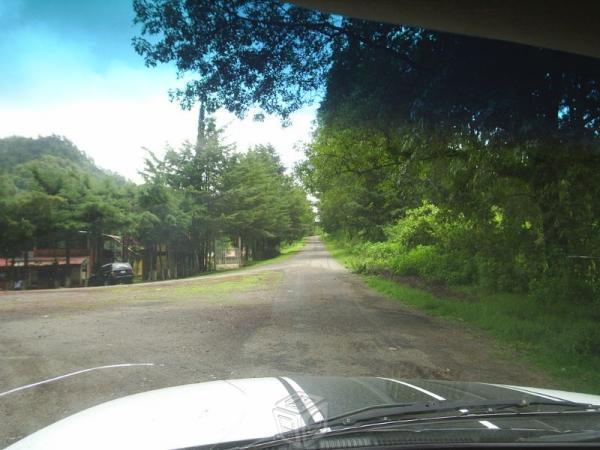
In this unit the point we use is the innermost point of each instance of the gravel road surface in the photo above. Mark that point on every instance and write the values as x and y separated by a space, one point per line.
304 315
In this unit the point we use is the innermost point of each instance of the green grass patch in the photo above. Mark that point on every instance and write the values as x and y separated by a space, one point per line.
284 253
227 286
560 339
207 287
290 249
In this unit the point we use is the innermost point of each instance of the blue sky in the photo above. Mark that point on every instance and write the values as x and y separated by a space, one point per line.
51 43
67 67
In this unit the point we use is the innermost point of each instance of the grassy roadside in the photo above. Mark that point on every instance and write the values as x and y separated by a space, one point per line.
559 339
212 289
284 253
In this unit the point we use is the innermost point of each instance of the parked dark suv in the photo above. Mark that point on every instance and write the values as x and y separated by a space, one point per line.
112 273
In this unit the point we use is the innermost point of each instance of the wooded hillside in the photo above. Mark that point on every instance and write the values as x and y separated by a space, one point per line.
53 194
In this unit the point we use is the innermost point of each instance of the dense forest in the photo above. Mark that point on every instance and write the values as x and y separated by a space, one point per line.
476 169
473 164
464 160
192 198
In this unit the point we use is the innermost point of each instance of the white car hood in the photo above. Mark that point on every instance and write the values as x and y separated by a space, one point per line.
175 417
236 410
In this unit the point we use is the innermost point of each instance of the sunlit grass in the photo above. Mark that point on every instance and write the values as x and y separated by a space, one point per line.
284 253
242 283
201 288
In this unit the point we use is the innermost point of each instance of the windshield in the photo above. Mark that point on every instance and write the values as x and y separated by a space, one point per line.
312 211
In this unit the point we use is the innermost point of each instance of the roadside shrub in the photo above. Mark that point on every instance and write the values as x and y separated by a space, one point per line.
429 262
498 255
458 268
378 256
561 287
418 227
420 244
420 261
495 274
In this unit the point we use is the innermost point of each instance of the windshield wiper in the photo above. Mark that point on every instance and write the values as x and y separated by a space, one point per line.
389 412
385 412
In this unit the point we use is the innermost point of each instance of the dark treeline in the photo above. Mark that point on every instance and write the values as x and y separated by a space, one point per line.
465 160
460 159
194 197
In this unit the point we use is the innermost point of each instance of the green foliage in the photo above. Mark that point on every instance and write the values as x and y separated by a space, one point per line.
446 172
420 226
241 53
454 159
190 198
263 205
203 193
17 150
448 248
49 187
411 117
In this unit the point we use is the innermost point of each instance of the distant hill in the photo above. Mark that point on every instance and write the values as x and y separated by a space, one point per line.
18 150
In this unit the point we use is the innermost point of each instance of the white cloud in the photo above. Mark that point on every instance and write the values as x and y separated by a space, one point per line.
247 133
113 129
56 83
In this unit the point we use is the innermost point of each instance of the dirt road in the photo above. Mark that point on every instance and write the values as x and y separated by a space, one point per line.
305 315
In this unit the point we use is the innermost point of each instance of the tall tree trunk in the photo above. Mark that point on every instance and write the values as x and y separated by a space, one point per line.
214 254
202 258
27 281
151 262
56 270
13 273
67 263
